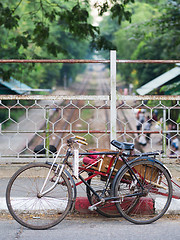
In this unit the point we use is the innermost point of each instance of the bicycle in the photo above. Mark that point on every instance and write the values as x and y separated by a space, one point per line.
40 195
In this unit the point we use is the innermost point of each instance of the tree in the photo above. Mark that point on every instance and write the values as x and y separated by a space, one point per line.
130 43
28 28
153 33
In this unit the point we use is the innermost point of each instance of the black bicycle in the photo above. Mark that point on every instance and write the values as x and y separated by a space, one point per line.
40 195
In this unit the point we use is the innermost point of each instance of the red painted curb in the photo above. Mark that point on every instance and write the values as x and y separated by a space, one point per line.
145 205
82 204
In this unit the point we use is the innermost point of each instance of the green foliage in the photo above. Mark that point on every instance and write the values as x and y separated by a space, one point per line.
76 21
119 11
178 120
64 29
51 29
40 33
171 89
154 33
7 17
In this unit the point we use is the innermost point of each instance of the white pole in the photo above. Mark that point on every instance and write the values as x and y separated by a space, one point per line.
113 112
164 132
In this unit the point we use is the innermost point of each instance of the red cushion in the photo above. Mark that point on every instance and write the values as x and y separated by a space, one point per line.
90 161
93 156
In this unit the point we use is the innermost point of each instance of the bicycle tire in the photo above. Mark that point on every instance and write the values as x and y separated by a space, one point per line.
36 212
157 194
106 209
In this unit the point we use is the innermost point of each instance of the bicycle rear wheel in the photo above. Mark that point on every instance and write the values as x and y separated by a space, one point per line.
153 201
38 212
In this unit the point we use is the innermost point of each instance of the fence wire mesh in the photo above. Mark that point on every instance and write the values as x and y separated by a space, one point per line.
34 126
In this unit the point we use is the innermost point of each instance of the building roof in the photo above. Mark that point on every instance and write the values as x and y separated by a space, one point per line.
159 81
13 86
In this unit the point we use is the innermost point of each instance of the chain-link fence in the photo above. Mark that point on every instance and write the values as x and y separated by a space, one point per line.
32 126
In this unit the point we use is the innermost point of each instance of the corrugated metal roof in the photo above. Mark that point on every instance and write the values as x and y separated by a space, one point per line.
16 86
159 81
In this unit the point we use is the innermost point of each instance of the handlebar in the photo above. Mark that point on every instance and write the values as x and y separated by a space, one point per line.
80 140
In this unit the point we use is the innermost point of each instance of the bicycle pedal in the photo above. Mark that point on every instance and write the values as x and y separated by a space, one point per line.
92 208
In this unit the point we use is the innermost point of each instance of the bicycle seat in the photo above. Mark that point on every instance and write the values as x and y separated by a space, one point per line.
122 145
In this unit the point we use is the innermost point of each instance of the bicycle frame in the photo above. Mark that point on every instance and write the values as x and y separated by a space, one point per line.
127 162
68 153
109 173
102 199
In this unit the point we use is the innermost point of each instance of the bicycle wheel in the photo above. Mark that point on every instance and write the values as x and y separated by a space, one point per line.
38 212
107 209
147 205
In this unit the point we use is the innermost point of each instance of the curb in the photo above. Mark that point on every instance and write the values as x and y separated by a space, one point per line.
82 204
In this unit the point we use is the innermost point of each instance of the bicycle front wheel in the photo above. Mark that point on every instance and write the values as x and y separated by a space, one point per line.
27 207
147 200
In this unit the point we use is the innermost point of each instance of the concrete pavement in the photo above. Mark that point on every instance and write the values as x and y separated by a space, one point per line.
96 228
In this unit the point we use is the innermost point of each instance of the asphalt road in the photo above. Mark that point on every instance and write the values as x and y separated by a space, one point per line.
94 228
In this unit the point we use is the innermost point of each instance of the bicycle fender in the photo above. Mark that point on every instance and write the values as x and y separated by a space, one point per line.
73 187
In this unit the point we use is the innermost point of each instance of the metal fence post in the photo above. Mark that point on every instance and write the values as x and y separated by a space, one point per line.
113 113
164 133
47 131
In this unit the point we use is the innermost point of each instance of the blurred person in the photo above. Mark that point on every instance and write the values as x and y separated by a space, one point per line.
155 115
174 145
142 140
